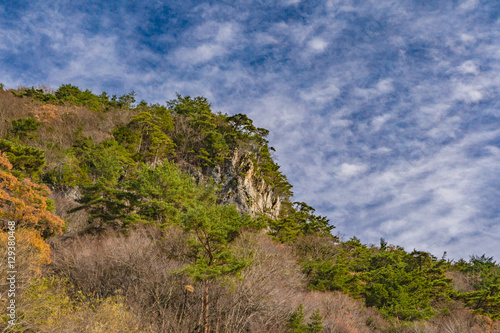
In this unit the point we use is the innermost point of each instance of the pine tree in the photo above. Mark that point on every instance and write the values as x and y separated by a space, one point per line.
154 122
26 161
214 228
296 321
22 126
315 324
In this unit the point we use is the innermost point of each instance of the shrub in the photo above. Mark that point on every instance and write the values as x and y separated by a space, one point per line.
22 126
52 305
26 203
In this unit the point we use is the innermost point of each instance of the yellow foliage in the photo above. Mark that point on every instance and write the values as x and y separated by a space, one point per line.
30 248
25 202
4 162
48 307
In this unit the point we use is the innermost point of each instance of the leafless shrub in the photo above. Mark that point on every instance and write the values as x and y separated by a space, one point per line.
267 292
11 107
75 222
459 320
136 267
462 282
107 264
173 244
343 314
315 246
47 307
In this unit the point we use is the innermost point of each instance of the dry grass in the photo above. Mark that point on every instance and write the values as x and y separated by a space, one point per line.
47 307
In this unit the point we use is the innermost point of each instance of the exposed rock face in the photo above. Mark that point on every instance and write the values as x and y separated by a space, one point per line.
66 192
239 186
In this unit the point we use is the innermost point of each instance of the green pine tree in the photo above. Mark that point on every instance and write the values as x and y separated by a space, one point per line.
214 228
315 324
296 321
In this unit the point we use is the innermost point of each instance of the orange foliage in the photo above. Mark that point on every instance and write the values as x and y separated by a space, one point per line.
25 202
4 162
345 323
32 247
47 113
486 327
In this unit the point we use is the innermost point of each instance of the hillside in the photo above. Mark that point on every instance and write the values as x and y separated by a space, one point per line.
137 217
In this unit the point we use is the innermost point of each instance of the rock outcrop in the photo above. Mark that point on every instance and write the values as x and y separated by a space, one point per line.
239 186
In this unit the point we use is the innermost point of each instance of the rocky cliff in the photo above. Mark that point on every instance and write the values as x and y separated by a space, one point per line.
240 186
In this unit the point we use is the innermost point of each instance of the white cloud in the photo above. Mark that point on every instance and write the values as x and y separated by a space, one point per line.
446 129
382 87
340 122
318 44
468 67
291 2
468 93
262 38
321 93
385 86
213 40
467 38
379 121
468 5
351 170
296 33
431 115
381 150
200 54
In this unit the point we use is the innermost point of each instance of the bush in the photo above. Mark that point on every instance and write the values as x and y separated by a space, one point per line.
52 305
22 126
137 267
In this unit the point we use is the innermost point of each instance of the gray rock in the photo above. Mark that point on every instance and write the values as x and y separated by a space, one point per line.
239 186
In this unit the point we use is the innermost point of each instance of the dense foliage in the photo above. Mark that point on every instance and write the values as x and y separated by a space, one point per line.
405 285
485 298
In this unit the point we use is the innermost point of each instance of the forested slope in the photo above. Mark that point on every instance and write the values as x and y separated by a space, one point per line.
137 217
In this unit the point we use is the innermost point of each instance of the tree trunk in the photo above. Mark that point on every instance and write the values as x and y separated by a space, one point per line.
156 156
200 319
206 308
140 141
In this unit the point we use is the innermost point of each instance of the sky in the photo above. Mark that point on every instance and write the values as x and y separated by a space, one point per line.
384 113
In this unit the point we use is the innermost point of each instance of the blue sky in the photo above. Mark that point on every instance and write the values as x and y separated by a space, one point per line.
385 114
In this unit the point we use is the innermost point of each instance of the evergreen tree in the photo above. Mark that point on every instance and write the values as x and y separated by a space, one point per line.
26 161
214 228
23 126
486 297
299 220
154 123
315 324
296 321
